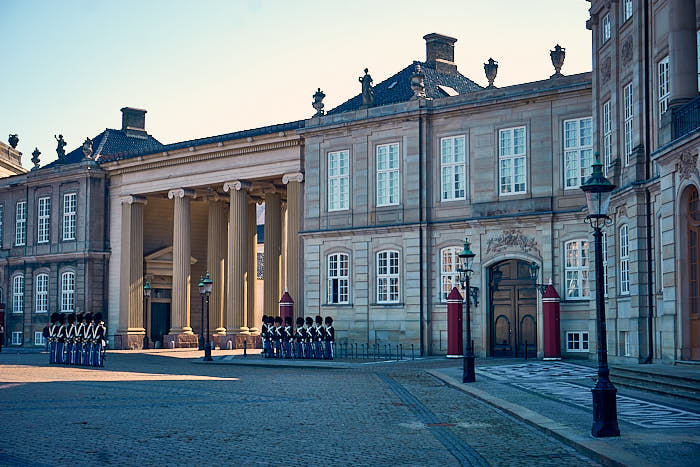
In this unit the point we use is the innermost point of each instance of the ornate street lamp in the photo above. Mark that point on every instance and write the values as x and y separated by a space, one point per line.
466 256
200 341
534 270
598 191
207 291
146 296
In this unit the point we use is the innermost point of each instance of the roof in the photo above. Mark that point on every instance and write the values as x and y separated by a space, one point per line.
111 144
397 88
266 130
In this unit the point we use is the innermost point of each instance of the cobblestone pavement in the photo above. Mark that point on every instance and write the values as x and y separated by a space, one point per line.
160 408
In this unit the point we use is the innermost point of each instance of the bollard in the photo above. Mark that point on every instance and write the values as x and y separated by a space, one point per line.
413 355
356 354
245 348
389 351
346 350
401 345
397 353
385 352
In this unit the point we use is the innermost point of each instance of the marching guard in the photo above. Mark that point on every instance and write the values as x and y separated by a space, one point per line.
265 336
79 339
98 336
299 336
287 337
330 338
277 336
61 338
70 340
88 344
318 353
310 337
53 338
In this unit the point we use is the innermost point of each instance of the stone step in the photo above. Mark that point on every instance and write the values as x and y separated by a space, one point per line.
680 391
685 380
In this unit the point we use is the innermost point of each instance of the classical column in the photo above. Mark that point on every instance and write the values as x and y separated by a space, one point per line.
216 262
237 257
682 52
272 246
131 326
180 311
251 273
294 182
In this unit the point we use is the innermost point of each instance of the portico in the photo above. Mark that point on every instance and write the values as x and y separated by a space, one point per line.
200 199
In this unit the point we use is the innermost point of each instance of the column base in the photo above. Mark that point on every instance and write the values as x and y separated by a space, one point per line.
220 331
254 331
179 341
128 341
235 341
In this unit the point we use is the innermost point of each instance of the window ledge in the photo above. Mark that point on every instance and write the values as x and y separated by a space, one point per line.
387 305
338 304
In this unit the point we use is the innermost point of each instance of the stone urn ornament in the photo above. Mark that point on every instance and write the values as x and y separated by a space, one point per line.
418 83
13 140
491 69
318 103
35 158
557 55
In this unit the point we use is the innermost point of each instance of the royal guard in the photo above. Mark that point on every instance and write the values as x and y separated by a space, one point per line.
88 343
70 340
61 337
277 336
330 338
322 336
299 338
287 336
265 336
310 337
53 338
99 334
79 339
318 352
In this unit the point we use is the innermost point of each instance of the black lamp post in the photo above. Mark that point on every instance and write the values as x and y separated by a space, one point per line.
207 291
466 256
146 296
534 270
200 341
598 193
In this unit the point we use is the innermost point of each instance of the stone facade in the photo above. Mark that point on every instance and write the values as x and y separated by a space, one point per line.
10 161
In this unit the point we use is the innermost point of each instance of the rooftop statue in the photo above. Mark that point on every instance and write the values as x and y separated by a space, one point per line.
367 89
87 148
318 103
60 147
14 139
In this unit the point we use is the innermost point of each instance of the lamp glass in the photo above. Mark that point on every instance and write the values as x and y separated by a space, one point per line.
534 271
201 285
207 283
147 290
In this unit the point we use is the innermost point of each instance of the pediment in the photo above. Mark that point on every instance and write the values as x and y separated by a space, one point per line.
161 262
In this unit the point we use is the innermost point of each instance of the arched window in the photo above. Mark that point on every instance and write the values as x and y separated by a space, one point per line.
41 298
624 261
338 278
388 276
18 294
576 269
449 277
67 292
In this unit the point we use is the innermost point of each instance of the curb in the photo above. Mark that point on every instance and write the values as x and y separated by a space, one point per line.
327 366
597 449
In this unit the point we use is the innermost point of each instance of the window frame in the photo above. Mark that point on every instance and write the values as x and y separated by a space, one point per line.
452 275
70 216
21 224
512 158
330 288
580 269
624 259
607 134
454 165
39 338
20 339
388 276
606 28
67 294
339 177
578 149
627 10
388 172
664 85
43 220
41 297
628 97
582 338
18 295
604 246
2 222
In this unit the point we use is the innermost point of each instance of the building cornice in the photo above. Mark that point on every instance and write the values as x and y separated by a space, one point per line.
53 258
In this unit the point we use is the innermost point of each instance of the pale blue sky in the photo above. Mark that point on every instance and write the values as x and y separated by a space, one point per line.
210 67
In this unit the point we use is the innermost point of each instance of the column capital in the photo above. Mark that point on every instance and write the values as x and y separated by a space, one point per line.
216 197
237 185
133 199
181 193
293 177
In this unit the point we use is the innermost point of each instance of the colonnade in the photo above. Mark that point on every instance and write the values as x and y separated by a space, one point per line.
231 258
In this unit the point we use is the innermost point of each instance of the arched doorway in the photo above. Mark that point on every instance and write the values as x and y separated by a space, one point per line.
691 315
513 309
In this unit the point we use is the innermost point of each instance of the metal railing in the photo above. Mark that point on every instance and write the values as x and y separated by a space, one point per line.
686 119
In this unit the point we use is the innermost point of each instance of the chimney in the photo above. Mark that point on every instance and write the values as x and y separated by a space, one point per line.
134 122
440 53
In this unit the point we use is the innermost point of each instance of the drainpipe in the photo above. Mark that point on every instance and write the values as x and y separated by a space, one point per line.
421 156
647 144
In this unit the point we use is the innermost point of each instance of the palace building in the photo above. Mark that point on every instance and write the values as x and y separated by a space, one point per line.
367 205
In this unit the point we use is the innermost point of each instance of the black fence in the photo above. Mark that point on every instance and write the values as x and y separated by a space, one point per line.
376 351
686 119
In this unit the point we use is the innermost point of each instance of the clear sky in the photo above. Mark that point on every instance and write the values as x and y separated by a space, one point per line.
203 68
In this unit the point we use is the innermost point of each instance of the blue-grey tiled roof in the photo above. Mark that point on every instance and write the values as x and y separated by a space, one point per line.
397 88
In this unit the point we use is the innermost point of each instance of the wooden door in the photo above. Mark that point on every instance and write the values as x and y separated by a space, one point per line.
160 320
694 275
527 320
503 321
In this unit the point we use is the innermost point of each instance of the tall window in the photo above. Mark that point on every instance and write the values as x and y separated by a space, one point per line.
628 122
338 180
2 214
39 338
43 220
388 174
42 293
69 210
449 277
607 135
606 28
664 86
21 223
67 292
512 151
338 278
452 157
18 294
578 152
16 338
697 42
576 270
627 10
388 276
605 264
624 261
